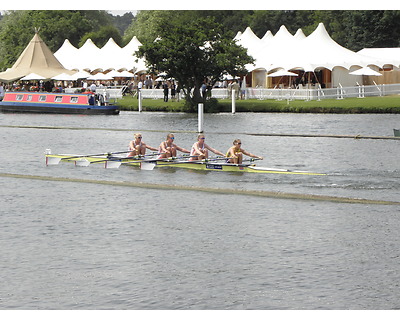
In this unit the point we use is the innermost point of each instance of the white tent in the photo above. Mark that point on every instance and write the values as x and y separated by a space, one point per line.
125 74
281 45
66 53
366 71
282 73
299 34
65 76
316 52
33 76
100 76
89 56
132 45
35 59
390 56
110 57
82 74
267 36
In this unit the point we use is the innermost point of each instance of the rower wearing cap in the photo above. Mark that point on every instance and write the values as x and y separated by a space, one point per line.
138 147
168 148
235 153
200 149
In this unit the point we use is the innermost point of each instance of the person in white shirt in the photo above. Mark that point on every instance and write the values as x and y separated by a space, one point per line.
1 91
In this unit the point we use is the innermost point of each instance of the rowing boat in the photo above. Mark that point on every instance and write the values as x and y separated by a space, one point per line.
228 167
110 161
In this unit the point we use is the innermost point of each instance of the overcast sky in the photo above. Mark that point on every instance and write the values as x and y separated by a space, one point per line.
120 7
121 12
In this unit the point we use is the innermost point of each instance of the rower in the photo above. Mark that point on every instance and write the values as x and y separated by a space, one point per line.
200 149
168 148
235 153
138 147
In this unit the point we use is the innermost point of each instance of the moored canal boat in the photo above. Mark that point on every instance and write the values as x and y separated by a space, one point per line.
62 103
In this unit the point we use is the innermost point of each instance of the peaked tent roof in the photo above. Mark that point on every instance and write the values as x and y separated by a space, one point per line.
388 55
267 36
64 53
132 45
110 57
36 58
318 50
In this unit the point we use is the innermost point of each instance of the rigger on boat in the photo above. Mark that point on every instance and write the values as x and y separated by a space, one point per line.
149 162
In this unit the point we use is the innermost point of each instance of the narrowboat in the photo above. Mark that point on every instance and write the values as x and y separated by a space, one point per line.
62 103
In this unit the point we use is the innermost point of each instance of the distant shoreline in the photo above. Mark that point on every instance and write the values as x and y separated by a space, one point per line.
386 104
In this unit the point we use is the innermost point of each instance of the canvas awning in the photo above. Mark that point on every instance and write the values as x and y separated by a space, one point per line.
316 51
33 76
100 76
36 58
282 73
366 71
65 77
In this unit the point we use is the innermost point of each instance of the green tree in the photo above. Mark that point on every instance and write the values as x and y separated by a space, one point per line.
371 28
145 23
101 36
17 29
191 49
122 22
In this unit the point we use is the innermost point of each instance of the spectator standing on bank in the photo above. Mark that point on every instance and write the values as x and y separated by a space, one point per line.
165 87
173 90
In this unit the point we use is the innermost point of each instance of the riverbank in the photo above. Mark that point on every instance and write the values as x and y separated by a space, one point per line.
386 104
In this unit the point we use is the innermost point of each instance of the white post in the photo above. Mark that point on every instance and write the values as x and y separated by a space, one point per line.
200 117
233 101
140 101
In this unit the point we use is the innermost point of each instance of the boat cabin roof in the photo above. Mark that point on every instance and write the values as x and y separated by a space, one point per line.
46 97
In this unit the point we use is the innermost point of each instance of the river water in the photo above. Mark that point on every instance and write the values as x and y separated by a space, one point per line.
78 245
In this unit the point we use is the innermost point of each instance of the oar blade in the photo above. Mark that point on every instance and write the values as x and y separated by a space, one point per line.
82 162
112 164
52 161
147 165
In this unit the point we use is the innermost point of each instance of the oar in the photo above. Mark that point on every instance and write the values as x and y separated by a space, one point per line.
56 160
108 163
111 163
151 163
146 165
138 157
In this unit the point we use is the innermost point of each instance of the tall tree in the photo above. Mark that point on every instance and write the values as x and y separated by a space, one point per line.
101 36
371 28
17 29
122 22
144 25
192 49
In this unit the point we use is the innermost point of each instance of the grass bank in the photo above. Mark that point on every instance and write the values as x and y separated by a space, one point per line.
387 104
